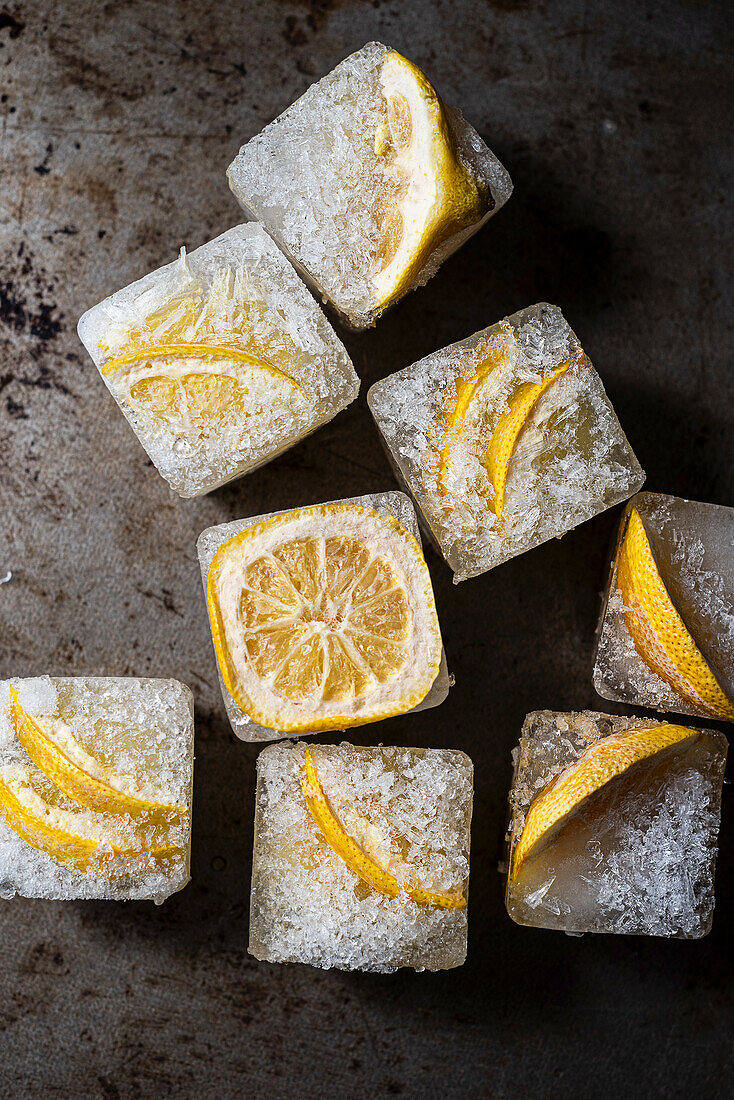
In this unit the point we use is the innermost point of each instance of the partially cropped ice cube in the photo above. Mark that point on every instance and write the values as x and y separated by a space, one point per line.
505 439
614 825
361 857
666 635
95 787
315 616
368 182
220 361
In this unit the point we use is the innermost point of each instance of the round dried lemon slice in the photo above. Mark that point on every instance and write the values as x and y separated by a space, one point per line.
323 618
431 195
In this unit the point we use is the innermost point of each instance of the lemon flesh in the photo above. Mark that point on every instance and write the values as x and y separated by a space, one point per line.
104 795
657 630
598 765
431 195
323 617
357 860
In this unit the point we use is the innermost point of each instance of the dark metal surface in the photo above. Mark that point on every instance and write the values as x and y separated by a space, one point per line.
118 121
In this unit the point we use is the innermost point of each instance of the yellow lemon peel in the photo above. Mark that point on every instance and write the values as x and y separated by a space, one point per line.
657 630
355 858
453 420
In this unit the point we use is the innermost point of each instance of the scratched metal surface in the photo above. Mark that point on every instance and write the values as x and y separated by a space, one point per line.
118 121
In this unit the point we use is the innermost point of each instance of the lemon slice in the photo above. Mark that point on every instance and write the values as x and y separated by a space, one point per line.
356 859
432 194
454 418
323 618
58 832
507 431
597 766
657 630
105 795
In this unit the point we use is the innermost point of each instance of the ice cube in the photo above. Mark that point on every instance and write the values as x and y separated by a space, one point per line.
95 787
324 177
407 813
505 439
688 572
636 849
392 504
220 361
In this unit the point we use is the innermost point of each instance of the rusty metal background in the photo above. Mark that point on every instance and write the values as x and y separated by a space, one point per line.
118 121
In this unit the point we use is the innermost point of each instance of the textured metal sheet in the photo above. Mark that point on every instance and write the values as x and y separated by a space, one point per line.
118 121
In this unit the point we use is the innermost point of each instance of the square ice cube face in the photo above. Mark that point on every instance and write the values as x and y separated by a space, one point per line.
95 787
505 439
219 361
635 857
392 504
666 634
409 812
322 178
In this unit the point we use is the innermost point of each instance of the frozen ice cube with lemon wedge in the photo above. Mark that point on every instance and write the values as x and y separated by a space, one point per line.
361 857
322 617
369 182
666 635
220 361
614 825
95 787
505 439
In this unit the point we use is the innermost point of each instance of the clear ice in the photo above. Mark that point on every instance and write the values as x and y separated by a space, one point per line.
314 180
143 732
693 547
393 504
572 459
638 856
410 809
237 291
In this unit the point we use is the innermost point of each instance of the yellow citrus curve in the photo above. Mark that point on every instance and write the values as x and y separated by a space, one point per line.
84 788
602 762
80 852
454 419
507 431
355 858
194 351
434 195
657 630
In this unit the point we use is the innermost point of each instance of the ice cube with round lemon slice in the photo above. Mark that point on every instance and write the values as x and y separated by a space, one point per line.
361 856
95 787
504 439
322 617
614 825
666 634
220 361
369 182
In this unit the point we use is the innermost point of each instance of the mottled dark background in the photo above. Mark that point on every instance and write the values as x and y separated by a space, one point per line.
118 121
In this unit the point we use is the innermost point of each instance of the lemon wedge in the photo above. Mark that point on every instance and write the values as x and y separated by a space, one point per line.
323 618
453 420
103 795
431 194
657 630
356 859
57 832
598 765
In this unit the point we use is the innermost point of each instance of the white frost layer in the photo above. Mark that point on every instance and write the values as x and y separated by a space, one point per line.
285 320
140 729
412 807
638 857
572 459
397 505
313 179
693 546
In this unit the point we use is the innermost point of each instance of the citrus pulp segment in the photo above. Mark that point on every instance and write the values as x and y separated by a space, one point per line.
431 194
605 760
657 630
58 832
103 792
356 859
322 618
